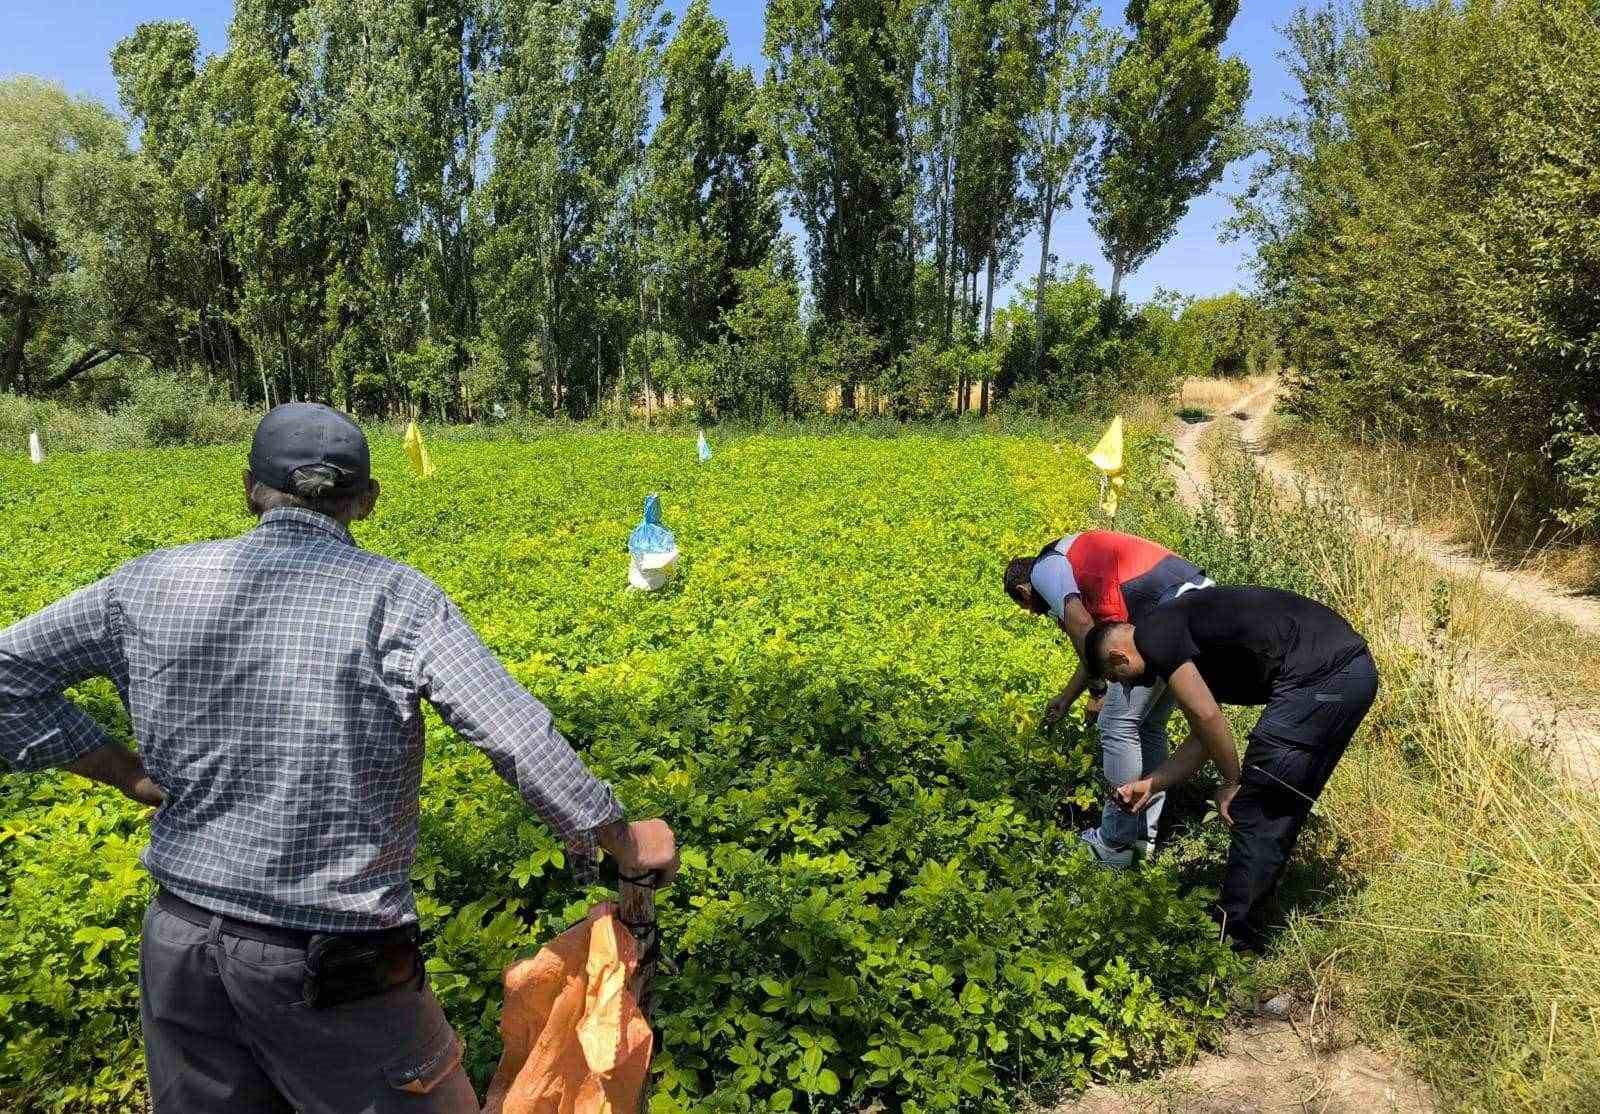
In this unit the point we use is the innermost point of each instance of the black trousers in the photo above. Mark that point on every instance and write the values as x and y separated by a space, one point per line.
1292 753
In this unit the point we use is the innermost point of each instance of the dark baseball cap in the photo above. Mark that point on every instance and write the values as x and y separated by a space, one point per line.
298 435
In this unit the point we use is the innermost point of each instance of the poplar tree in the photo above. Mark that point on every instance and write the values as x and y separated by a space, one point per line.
1060 128
710 191
1173 113
838 101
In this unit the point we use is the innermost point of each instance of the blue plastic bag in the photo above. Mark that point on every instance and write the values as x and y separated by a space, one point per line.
652 548
650 536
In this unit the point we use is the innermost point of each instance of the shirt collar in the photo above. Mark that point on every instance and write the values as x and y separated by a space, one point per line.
281 517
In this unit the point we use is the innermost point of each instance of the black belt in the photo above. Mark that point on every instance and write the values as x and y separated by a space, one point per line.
261 933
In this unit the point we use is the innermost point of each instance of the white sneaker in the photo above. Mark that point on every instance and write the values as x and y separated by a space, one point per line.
1110 857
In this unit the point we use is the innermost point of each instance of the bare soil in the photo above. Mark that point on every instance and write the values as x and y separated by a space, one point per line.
1269 1065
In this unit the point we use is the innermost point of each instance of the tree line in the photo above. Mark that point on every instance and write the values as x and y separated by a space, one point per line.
449 206
1427 231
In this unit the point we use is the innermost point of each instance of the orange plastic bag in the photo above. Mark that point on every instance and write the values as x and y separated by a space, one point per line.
575 1039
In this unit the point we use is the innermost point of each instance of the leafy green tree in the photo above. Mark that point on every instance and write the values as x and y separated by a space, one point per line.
1426 232
995 60
766 338
1173 112
79 240
711 189
1060 127
560 228
837 99
159 79
1231 335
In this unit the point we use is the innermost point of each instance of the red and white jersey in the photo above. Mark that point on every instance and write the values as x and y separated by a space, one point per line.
1120 577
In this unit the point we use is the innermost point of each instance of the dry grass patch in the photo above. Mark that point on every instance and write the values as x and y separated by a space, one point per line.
1487 509
1217 396
1473 931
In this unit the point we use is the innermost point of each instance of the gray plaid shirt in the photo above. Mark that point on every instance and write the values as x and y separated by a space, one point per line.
274 682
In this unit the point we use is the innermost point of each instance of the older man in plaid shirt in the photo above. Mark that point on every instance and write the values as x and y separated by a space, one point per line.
274 683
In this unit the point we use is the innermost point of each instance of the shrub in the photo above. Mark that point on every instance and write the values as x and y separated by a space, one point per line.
166 411
1576 451
160 411
1428 225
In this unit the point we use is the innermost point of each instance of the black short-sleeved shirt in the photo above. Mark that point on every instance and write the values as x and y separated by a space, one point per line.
1247 642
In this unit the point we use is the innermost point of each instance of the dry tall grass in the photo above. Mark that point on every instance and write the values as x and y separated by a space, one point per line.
1468 919
1217 396
1486 508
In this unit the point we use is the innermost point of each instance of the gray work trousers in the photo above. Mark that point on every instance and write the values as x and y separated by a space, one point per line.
227 1031
1133 742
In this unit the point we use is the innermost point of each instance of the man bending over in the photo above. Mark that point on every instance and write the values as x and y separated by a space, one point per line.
1104 576
1242 645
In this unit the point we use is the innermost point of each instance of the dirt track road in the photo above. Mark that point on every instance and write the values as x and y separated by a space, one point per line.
1535 708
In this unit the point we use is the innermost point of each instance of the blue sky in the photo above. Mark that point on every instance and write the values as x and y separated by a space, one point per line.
70 41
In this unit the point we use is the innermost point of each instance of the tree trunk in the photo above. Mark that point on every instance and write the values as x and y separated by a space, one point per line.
1116 279
950 302
266 389
1044 270
961 376
86 362
943 243
988 326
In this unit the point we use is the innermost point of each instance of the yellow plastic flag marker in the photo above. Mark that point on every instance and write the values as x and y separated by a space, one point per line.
1107 456
417 451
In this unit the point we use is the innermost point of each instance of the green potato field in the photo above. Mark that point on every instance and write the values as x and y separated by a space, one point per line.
834 705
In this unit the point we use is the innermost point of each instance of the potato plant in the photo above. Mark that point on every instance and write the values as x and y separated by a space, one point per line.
882 899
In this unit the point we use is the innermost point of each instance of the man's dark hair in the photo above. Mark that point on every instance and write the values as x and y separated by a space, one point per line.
1094 649
315 489
1017 577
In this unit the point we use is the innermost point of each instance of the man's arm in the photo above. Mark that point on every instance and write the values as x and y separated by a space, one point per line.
1211 737
1075 622
42 656
474 694
1207 722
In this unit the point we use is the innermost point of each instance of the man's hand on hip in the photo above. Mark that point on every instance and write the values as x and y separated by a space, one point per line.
115 765
641 847
146 792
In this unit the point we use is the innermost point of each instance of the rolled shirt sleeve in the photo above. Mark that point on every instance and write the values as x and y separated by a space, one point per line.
42 656
474 694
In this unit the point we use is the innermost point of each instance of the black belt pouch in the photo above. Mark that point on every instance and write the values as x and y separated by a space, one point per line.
341 969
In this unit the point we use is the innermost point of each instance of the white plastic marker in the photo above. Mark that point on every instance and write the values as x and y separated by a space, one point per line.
704 447
35 448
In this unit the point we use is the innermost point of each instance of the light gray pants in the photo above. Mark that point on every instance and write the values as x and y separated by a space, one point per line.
1133 742
227 1031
